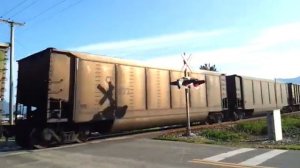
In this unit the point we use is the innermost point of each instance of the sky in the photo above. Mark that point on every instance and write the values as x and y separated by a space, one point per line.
259 38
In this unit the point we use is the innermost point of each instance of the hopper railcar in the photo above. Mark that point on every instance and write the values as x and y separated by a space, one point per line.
294 97
67 95
249 96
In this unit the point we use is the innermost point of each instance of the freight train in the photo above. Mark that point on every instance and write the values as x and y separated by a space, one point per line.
65 96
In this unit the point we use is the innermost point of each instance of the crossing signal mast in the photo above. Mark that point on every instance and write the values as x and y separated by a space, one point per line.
187 82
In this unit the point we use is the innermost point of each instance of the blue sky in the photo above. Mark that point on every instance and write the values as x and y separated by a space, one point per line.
247 37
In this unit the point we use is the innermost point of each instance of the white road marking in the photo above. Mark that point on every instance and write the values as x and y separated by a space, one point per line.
262 158
223 156
224 164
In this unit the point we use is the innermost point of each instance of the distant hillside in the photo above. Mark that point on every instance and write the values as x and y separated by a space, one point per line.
290 80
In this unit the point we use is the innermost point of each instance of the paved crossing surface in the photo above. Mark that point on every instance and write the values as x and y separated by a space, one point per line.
123 152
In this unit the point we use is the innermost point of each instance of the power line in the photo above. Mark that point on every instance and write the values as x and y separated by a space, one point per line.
71 5
21 44
56 13
11 9
63 10
23 9
44 11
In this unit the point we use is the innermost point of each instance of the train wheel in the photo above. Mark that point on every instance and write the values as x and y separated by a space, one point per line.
1 132
21 139
36 140
241 115
51 138
83 135
44 138
235 116
22 134
33 137
218 119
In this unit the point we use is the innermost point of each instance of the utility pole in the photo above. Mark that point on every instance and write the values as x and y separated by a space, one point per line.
11 51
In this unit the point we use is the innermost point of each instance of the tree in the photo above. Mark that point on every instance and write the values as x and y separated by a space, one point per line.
208 67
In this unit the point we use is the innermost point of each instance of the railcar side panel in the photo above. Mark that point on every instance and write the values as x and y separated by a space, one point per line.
95 92
248 94
198 96
279 95
158 89
224 96
59 77
59 85
213 92
295 99
131 88
272 94
265 95
258 99
178 95
268 96
296 94
284 92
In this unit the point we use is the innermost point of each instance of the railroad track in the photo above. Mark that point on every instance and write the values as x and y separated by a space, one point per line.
11 148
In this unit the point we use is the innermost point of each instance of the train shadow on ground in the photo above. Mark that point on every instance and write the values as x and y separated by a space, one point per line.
8 145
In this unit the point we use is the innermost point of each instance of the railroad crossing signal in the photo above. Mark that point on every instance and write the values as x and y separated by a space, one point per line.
187 81
186 62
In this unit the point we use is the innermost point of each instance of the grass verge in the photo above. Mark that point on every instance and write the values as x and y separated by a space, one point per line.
246 134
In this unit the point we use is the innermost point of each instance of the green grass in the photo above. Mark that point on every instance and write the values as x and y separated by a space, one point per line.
291 125
245 133
252 127
222 135
179 137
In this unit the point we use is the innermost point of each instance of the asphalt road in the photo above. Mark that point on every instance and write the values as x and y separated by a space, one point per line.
131 152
